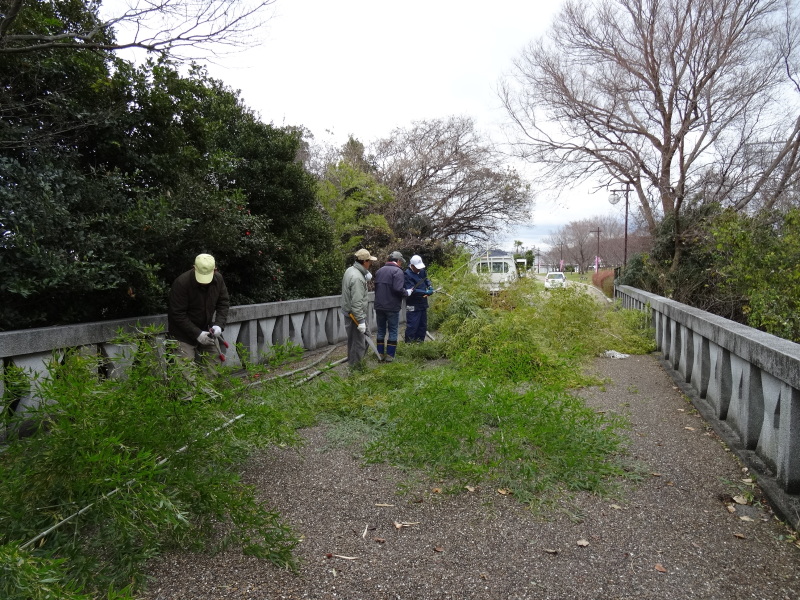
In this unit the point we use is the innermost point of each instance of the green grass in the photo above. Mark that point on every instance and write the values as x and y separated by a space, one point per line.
136 454
488 404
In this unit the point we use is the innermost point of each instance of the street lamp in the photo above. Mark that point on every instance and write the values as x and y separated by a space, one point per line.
614 198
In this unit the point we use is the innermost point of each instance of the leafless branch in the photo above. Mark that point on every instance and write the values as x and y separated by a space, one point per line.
657 94
448 183
152 25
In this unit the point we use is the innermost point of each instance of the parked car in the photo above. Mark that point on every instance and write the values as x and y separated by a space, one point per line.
555 279
497 271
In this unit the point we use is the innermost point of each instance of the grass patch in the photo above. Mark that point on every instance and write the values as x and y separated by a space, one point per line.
489 403
478 432
486 404
136 454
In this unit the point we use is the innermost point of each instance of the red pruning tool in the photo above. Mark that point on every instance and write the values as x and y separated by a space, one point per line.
217 339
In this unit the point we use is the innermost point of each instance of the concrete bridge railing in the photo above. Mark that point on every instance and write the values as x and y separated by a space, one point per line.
745 379
311 323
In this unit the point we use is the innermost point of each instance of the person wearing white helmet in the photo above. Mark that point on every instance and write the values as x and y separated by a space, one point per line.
418 287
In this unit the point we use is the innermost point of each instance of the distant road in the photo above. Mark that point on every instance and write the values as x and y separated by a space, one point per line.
598 294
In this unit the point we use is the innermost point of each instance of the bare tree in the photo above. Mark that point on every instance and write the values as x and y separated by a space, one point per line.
153 25
449 184
573 243
576 242
671 97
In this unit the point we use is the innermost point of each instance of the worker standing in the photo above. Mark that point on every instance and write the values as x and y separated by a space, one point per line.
419 287
354 306
389 294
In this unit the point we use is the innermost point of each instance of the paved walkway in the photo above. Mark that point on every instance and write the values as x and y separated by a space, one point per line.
679 533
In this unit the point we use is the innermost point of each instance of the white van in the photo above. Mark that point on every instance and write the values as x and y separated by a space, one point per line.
497 271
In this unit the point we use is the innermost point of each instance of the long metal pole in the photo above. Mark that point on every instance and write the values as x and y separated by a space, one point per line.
614 201
597 257
625 248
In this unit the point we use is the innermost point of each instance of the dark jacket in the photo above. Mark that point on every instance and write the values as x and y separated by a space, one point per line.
194 307
422 288
389 290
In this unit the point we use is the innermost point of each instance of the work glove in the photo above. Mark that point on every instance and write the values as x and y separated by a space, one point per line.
429 291
362 327
205 338
216 330
409 290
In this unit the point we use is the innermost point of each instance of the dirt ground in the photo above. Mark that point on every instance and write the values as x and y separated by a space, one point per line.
369 534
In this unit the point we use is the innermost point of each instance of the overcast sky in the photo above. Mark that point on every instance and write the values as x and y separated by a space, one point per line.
365 67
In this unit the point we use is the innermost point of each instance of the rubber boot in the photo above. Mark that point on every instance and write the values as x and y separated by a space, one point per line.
391 347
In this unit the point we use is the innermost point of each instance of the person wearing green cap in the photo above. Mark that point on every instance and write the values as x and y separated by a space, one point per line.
198 309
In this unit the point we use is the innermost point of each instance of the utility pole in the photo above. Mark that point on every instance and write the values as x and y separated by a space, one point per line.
614 198
597 257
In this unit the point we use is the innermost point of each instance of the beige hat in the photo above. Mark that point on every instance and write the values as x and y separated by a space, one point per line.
204 268
364 254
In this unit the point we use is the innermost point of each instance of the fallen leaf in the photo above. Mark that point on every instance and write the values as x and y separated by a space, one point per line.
387 505
400 525
345 557
689 428
656 474
469 488
660 568
437 490
503 491
616 507
438 549
379 540
740 499
739 535
484 576
731 508
681 410
550 550
746 518
582 543
748 480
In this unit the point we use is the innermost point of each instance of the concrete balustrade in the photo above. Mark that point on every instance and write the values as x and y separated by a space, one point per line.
744 380
311 323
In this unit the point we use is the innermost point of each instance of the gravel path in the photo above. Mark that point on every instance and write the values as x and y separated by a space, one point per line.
670 536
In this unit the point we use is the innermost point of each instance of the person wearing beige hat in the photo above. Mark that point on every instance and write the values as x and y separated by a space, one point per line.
198 309
354 306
